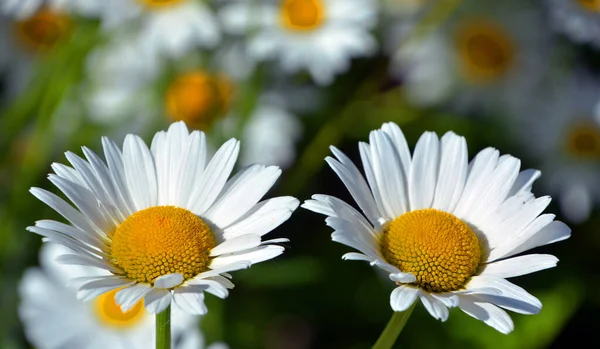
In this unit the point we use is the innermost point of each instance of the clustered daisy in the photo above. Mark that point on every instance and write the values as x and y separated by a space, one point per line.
446 230
166 222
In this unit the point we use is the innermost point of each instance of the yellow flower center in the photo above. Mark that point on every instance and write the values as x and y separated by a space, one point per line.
486 52
110 313
159 4
438 248
198 98
162 240
301 15
43 30
583 140
590 5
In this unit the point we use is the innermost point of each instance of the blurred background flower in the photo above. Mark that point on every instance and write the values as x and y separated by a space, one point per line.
289 78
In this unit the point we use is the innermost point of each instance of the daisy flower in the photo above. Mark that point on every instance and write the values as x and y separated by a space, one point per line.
579 20
564 120
488 55
171 27
54 318
165 222
320 36
445 230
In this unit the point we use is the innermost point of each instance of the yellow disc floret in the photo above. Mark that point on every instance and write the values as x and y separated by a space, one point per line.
590 5
162 240
583 140
109 312
43 30
157 4
438 248
301 15
485 49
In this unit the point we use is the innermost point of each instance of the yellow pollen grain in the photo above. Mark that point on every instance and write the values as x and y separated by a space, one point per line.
438 248
43 30
590 5
302 15
198 98
109 312
162 240
159 4
485 50
583 140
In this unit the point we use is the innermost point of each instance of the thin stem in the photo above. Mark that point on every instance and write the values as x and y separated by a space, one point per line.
163 329
394 327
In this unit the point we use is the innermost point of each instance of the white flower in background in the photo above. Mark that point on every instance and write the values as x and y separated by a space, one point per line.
117 89
171 27
166 222
53 317
320 36
488 55
271 134
560 127
445 230
577 19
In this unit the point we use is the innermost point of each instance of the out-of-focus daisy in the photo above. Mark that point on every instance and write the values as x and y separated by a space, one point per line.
172 27
564 121
271 134
488 55
166 222
320 36
54 318
444 229
578 19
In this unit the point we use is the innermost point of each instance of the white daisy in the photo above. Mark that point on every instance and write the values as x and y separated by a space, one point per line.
578 19
172 27
53 317
320 36
489 55
444 229
564 120
166 223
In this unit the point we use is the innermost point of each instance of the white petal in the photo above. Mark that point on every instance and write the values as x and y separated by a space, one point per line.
424 171
403 297
128 297
157 300
140 172
253 256
192 302
490 314
405 278
211 286
480 170
239 243
511 296
532 237
524 181
453 172
241 193
395 133
168 281
92 289
210 184
519 265
114 160
354 256
354 182
263 217
435 307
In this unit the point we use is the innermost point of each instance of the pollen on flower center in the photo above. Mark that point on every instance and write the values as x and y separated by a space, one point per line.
583 140
198 98
302 14
438 248
162 240
157 4
43 30
486 52
109 312
590 5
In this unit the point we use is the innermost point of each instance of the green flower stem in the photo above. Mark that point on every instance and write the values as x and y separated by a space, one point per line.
163 329
394 327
